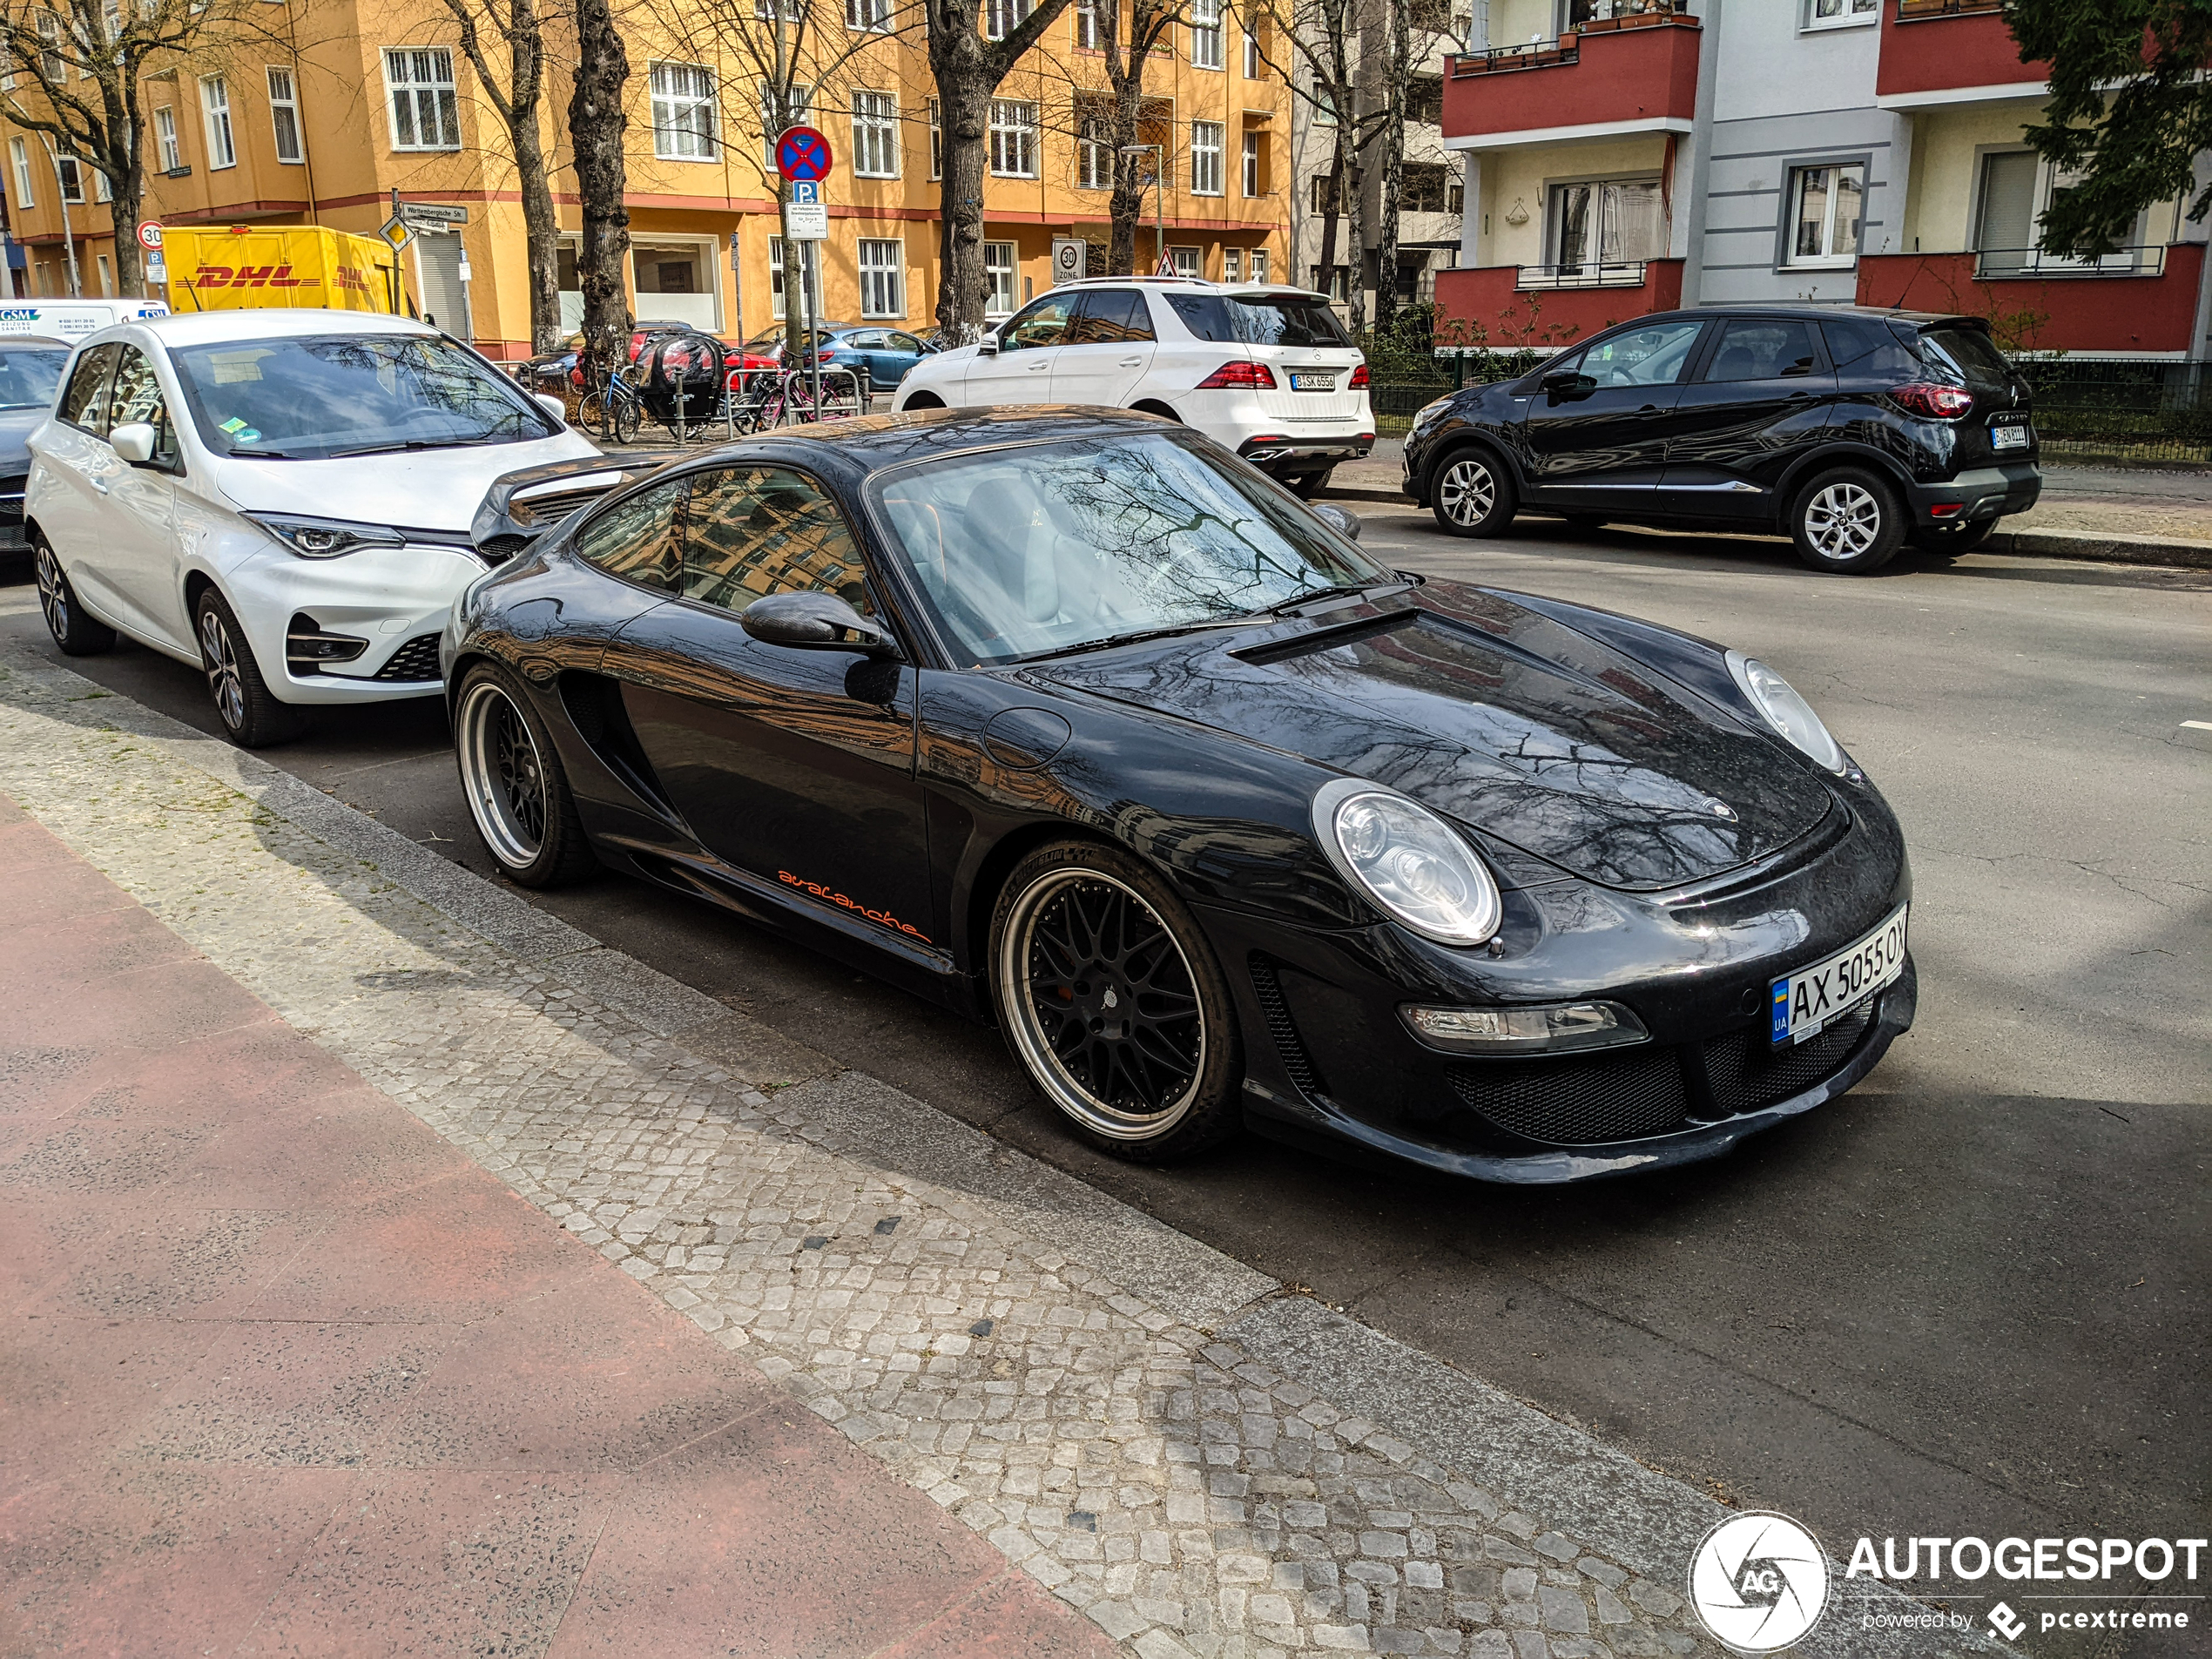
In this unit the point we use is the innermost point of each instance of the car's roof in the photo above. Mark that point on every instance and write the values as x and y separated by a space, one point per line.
866 443
1799 309
206 327
32 342
1199 285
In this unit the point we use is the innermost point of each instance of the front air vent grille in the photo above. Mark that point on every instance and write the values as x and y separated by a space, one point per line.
1583 1100
497 549
416 660
552 507
1748 1073
1267 990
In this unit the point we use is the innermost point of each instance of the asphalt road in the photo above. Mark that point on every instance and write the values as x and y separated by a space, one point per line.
1969 1299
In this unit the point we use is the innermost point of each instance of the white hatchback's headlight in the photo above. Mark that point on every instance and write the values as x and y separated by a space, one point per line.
1412 863
326 538
1786 712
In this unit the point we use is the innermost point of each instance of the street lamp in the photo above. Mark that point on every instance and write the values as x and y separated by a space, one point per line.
1160 217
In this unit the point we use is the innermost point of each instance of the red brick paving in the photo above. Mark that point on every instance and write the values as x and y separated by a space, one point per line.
282 1373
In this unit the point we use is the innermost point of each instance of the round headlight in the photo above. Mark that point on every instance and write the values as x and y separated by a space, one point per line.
1786 712
1412 863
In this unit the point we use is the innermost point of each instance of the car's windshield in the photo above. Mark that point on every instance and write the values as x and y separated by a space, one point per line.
317 396
1041 549
1251 320
28 378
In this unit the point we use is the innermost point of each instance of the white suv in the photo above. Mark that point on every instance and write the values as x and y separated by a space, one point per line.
1269 373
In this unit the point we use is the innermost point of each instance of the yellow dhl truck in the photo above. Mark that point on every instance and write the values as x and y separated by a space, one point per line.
245 268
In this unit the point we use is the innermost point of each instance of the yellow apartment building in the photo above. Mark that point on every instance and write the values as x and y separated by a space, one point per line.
377 101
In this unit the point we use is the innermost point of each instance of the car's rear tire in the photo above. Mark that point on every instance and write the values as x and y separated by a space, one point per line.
1112 1002
1307 485
1472 494
75 630
923 401
1953 538
1848 522
511 776
252 716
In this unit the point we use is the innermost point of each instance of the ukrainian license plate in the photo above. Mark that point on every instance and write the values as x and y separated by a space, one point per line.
2008 437
1312 382
1802 1004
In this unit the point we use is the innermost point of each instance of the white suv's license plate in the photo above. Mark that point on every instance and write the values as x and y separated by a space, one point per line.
2008 437
1804 1002
1312 382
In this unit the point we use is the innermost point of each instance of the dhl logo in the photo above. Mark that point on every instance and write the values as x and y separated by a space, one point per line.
250 276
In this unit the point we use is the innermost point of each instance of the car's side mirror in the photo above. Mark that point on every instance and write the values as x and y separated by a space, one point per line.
815 622
553 406
988 346
1567 386
1341 520
135 441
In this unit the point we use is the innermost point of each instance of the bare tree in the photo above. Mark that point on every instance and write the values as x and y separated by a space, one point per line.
969 66
84 63
598 126
1415 28
515 24
1129 117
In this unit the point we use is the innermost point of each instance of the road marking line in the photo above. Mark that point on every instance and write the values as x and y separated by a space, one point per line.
2198 725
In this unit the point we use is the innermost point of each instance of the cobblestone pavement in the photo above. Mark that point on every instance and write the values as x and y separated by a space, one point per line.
1185 1496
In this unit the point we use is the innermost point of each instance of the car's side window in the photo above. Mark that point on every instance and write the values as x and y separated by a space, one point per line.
902 342
752 531
1654 355
136 397
1763 348
84 404
1867 346
635 539
1111 317
1043 324
867 340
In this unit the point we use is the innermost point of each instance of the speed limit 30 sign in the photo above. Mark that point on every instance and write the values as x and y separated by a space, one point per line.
149 236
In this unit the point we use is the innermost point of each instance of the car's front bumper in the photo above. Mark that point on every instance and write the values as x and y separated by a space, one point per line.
395 600
1981 493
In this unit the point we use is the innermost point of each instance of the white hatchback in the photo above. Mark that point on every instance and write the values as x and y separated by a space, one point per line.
1269 373
282 499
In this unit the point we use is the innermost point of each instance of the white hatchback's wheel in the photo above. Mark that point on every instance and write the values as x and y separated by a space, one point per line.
1471 495
511 777
251 714
1848 521
76 632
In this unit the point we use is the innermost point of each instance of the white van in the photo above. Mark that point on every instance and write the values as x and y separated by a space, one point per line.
71 320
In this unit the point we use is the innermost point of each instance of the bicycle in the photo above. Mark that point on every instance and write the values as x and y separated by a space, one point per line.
614 412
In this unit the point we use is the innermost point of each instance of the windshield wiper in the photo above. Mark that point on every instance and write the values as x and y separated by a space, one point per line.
1137 636
1341 591
409 445
253 454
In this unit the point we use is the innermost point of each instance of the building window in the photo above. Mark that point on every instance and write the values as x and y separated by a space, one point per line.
1002 17
793 10
284 116
215 105
1014 138
1205 34
998 276
936 143
779 297
1323 187
165 139
1232 265
868 16
1259 265
1091 23
1205 157
875 138
1421 187
1324 106
72 178
52 65
1824 207
774 123
1841 14
1252 185
883 279
107 275
684 113
1094 148
1605 222
1255 58
1188 262
425 115
21 156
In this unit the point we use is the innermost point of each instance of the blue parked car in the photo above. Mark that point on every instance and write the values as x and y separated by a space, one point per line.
888 353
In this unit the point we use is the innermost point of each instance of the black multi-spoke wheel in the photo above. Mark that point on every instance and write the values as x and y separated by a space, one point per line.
512 778
1113 1003
77 632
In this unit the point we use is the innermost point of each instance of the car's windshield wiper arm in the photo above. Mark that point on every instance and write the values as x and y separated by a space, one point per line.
409 445
1137 636
1343 589
253 454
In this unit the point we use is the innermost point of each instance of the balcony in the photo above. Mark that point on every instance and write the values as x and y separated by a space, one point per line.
1951 51
2134 302
1525 307
1633 73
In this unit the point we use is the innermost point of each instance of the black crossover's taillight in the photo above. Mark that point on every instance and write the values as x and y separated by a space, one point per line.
1933 399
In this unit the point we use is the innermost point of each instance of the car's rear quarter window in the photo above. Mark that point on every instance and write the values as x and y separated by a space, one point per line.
1232 319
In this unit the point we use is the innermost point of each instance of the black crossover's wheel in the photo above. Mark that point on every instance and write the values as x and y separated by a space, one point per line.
251 714
512 778
75 630
1953 538
1114 1004
1849 522
1470 494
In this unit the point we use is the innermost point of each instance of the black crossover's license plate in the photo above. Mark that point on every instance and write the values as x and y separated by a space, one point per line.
2008 437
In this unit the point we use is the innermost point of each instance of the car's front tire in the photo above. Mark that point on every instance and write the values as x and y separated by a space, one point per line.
511 776
1112 1002
75 630
252 715
1471 495
1848 522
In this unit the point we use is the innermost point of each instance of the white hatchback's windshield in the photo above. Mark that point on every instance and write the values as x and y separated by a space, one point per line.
1048 548
317 397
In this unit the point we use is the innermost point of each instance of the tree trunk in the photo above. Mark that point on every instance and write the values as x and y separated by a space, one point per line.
1399 68
541 227
1125 72
964 102
597 126
128 192
1355 235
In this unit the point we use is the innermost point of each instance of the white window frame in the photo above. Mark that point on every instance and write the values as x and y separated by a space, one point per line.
215 116
778 295
867 17
1014 138
1207 139
1255 65
802 114
165 143
1232 265
1093 153
687 110
284 99
1249 161
1188 262
765 11
52 62
1594 259
1205 34
1846 14
20 153
1002 17
875 136
1258 266
70 171
1002 269
936 142
1826 259
883 280
439 97
1089 38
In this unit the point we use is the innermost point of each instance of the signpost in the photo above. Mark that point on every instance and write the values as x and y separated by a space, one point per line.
803 157
149 239
444 218
1071 259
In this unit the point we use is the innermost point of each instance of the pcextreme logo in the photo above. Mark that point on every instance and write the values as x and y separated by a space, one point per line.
881 918
1759 1583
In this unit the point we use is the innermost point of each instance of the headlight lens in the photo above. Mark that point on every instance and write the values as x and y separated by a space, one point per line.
1408 860
1786 712
326 538
1575 1025
1429 411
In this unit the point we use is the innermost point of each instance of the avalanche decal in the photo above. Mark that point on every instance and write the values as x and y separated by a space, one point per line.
881 918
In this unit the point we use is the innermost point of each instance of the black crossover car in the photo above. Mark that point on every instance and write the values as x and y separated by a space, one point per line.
1072 720
1848 430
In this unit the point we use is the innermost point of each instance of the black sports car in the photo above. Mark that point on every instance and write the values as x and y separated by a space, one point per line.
1070 719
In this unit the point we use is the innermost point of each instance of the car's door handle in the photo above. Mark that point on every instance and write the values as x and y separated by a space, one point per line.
100 484
1131 362
1041 363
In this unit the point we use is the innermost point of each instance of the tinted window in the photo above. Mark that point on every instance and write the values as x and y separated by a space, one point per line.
136 397
1251 319
28 378
1765 349
1111 317
1043 324
86 403
1652 356
756 530
902 342
1969 352
636 538
1868 347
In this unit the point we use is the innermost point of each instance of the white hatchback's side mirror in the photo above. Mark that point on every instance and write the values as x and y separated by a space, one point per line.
135 441
557 408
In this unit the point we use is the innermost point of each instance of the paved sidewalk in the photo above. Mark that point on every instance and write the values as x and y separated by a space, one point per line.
283 1371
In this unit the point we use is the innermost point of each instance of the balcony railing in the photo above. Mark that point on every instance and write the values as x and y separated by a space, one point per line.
1587 274
1542 54
1914 10
1998 264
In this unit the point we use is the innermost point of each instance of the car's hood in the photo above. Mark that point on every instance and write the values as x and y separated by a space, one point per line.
431 490
1499 718
15 428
